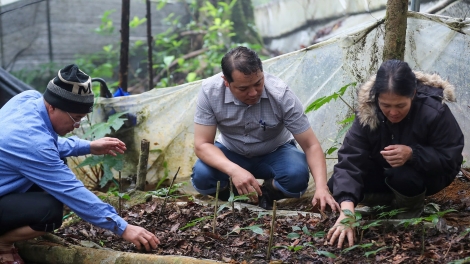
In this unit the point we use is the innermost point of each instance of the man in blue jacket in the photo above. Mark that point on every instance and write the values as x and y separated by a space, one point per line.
34 180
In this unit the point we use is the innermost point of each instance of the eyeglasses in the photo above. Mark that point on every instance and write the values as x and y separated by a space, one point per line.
76 124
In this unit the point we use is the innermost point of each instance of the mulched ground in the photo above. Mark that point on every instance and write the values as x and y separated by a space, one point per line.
242 236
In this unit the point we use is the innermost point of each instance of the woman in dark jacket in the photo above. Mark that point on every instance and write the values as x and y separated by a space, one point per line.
404 144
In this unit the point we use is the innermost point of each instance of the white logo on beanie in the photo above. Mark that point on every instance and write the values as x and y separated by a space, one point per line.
78 88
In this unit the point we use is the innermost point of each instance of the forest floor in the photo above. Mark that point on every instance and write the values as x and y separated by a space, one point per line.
242 235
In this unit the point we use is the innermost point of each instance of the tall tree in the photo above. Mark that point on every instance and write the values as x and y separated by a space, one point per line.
395 29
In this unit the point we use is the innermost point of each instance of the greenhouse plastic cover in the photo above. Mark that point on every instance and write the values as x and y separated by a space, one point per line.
165 116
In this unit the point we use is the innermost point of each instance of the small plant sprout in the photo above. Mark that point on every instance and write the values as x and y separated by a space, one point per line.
392 213
374 252
305 230
254 228
195 222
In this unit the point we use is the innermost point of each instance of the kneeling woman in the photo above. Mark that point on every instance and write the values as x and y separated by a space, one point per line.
403 145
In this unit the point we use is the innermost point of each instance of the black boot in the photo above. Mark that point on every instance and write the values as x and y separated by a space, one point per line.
413 206
270 194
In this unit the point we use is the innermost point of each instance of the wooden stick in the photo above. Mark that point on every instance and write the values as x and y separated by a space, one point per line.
214 223
119 195
232 202
166 196
142 168
271 232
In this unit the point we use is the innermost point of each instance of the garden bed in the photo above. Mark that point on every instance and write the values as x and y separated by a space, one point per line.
242 235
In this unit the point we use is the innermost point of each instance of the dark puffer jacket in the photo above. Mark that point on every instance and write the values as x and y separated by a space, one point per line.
429 129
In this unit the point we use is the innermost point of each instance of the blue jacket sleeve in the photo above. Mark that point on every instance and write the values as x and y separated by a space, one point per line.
72 146
45 169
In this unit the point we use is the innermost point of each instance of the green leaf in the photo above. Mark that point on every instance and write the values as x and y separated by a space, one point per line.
348 212
296 228
168 60
191 77
326 254
293 235
349 249
367 254
91 161
257 229
306 231
100 130
375 223
319 234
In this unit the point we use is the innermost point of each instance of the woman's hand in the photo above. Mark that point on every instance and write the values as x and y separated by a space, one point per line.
397 155
341 231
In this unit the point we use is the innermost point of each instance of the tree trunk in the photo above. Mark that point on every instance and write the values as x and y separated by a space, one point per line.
243 18
395 29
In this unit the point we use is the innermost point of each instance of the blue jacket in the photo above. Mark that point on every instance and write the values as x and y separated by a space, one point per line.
31 152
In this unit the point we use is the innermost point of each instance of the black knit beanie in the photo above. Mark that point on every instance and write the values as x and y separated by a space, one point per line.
71 91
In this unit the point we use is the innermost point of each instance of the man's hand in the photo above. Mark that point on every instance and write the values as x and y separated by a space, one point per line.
397 155
341 231
245 183
140 237
323 196
107 145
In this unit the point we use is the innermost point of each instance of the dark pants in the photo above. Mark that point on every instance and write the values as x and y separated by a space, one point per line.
35 208
404 180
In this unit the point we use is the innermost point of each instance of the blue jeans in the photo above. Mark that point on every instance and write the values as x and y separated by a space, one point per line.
287 165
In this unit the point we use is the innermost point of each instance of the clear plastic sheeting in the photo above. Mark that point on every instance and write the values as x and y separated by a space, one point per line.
165 116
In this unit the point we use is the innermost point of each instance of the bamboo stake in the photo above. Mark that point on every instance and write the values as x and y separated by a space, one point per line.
271 232
214 223
166 196
232 202
120 191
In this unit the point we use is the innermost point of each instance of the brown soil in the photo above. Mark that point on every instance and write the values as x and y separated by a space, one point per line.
243 236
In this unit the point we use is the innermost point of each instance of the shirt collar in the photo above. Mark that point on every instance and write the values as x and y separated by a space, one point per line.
229 98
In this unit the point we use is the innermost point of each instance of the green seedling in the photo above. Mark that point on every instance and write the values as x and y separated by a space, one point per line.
391 214
362 246
68 215
254 228
260 214
161 192
465 232
347 122
196 221
305 230
460 261
232 199
369 253
290 248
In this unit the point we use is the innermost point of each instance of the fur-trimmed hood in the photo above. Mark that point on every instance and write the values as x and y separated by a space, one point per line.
367 108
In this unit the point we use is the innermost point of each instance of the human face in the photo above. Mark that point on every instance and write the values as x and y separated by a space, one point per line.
63 122
246 88
394 107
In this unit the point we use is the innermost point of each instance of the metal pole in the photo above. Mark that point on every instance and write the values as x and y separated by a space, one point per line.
415 5
2 60
124 60
49 33
149 44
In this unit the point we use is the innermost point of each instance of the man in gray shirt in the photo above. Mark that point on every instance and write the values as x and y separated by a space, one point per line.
260 120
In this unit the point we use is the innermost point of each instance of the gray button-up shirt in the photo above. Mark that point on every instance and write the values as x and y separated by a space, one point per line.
251 130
